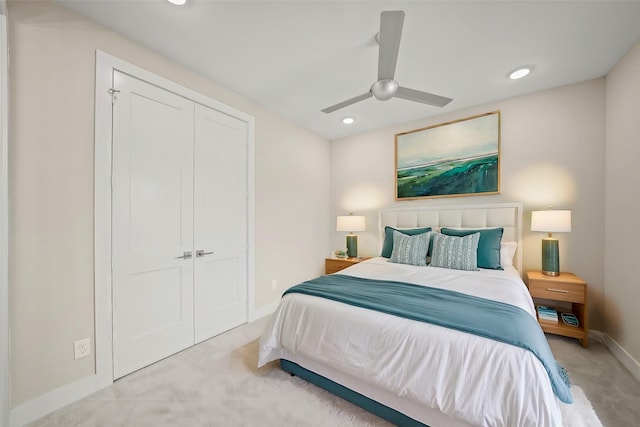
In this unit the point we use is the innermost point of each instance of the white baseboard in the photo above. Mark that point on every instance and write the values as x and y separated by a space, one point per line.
625 358
52 401
67 394
595 335
43 405
263 311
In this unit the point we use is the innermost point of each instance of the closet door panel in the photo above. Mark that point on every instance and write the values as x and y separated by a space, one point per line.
220 222
152 211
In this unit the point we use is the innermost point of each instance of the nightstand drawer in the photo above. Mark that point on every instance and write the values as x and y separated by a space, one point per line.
333 265
558 291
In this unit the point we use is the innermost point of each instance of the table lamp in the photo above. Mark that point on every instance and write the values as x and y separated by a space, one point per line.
550 221
351 223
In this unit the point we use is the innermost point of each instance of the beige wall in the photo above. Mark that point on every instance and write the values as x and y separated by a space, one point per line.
552 154
552 150
622 269
52 72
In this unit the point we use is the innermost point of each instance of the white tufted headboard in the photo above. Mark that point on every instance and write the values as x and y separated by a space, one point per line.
505 215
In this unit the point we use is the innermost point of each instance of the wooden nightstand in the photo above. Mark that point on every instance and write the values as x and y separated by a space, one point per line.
333 265
566 287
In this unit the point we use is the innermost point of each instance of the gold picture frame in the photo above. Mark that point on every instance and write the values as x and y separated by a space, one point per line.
452 159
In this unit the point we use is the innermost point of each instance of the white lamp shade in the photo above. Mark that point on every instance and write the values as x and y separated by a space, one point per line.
551 221
350 223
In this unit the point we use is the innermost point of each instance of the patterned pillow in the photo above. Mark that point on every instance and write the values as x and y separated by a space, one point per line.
459 253
488 245
387 246
410 249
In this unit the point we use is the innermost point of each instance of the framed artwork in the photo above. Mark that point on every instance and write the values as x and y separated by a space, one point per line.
459 158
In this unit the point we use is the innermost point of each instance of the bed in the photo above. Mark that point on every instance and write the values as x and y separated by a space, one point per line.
416 372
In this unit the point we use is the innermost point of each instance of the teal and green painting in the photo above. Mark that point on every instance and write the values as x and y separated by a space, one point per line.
457 158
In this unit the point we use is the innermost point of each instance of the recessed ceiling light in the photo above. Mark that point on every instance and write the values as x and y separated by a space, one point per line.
348 120
178 2
519 73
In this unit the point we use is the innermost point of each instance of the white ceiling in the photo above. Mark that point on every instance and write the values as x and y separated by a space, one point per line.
297 57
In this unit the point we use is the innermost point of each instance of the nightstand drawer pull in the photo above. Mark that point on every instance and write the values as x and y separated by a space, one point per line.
558 290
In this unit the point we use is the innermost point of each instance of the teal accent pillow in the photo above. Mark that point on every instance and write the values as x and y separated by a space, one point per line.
387 245
488 246
459 253
410 249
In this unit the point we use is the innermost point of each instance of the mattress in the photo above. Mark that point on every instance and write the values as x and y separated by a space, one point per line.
436 375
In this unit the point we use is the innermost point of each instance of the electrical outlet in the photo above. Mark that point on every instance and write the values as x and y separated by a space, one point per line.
274 284
82 348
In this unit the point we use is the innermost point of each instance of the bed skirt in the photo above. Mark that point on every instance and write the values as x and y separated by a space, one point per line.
354 397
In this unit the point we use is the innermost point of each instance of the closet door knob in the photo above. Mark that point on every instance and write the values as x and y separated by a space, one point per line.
185 255
201 253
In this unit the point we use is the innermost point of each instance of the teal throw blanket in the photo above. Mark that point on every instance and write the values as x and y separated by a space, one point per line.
483 317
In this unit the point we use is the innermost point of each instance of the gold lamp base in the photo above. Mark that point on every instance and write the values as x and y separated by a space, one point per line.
550 273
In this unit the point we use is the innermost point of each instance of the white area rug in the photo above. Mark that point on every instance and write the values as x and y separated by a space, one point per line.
216 383
580 413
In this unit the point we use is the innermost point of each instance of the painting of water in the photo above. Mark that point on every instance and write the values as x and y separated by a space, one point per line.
459 158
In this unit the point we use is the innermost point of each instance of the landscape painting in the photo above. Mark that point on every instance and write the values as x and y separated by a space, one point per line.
459 158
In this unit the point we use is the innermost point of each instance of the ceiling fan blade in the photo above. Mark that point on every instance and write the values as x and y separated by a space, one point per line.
389 40
424 97
347 102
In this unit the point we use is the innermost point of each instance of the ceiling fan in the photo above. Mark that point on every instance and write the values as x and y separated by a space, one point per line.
386 87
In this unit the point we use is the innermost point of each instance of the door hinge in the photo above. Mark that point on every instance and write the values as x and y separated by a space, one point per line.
114 94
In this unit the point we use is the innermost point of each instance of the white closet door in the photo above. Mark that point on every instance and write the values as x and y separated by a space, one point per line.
220 222
152 224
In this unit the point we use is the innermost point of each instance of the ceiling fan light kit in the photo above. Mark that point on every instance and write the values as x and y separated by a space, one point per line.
386 87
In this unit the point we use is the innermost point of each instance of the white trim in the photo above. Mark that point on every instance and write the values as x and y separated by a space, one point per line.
67 394
251 218
105 64
264 311
42 405
102 225
627 360
595 335
4 226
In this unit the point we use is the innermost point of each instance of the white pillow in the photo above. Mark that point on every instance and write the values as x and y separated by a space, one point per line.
507 251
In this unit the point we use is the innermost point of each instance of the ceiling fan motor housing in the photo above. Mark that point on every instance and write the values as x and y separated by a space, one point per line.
384 89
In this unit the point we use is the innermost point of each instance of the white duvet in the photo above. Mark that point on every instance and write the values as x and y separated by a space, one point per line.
428 372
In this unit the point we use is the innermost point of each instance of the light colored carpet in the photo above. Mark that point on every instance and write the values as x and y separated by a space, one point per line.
216 383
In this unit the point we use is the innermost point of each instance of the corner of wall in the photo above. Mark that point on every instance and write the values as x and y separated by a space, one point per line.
627 360
4 224
622 100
